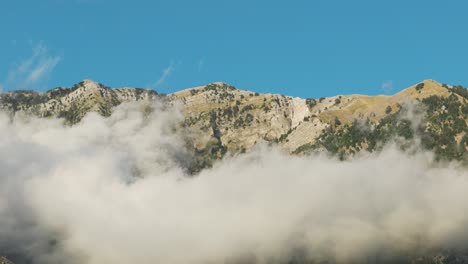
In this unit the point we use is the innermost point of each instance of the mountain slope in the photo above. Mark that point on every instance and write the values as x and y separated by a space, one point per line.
239 119
73 103
223 118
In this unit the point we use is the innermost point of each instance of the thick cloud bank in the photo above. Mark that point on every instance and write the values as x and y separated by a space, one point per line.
113 190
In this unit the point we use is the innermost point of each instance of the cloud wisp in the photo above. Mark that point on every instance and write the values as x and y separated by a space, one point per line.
166 73
387 87
34 69
113 190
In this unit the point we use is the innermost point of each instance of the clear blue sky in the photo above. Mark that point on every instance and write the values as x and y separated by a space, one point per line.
304 48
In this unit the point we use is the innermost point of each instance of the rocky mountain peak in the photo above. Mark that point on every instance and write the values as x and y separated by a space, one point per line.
88 82
89 85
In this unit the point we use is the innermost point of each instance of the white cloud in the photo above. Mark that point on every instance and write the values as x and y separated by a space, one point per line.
115 184
165 74
42 69
34 69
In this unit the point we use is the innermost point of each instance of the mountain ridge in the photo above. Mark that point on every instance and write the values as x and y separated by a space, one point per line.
224 118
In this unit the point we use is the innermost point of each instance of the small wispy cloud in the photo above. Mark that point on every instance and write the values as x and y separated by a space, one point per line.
42 69
34 69
387 87
201 63
165 74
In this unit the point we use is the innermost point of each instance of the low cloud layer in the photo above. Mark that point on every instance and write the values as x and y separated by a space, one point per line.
113 190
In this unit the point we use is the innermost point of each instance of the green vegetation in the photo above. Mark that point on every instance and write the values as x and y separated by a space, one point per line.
419 86
72 115
446 119
388 110
460 90
247 108
338 100
311 103
442 129
77 85
266 108
219 86
457 89
21 98
284 136
205 158
337 121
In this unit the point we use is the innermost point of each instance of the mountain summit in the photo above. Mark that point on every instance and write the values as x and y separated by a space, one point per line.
225 118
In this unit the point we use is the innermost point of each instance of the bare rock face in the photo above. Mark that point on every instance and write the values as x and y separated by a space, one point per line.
240 119
223 118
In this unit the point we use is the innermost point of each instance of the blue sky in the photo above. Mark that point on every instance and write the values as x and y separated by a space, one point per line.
304 48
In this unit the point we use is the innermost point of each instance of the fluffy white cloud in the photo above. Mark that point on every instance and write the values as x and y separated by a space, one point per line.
113 191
